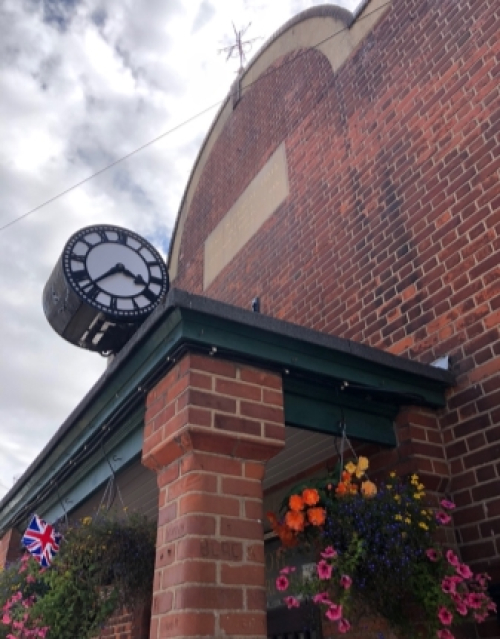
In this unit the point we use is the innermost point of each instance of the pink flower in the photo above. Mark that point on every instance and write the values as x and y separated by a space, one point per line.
292 602
30 579
452 558
324 569
6 618
443 518
449 505
346 582
464 571
480 618
492 606
461 608
445 634
445 616
432 554
287 570
321 597
475 600
329 553
282 583
344 626
448 585
334 612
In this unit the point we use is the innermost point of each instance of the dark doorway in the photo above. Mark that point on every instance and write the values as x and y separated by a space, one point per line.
297 623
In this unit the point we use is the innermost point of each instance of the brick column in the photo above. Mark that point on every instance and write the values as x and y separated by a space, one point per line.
210 427
10 547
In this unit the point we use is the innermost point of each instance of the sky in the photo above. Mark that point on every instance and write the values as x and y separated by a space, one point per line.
83 83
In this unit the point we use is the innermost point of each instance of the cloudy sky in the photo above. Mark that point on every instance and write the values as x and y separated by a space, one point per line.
83 83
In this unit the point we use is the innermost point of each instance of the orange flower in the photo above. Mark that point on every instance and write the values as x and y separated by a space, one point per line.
272 518
316 516
353 489
295 520
341 489
287 536
368 489
345 476
295 503
310 496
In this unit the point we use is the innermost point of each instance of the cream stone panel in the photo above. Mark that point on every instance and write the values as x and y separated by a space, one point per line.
337 44
368 18
259 200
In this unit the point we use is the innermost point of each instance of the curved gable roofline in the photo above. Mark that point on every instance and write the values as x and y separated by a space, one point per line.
332 30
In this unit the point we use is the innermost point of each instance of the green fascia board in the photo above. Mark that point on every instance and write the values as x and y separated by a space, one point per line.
119 452
121 389
188 321
282 353
322 411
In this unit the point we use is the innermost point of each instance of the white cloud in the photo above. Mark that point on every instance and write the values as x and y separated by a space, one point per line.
84 82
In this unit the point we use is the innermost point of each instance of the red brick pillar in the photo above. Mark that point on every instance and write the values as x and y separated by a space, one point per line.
10 547
210 427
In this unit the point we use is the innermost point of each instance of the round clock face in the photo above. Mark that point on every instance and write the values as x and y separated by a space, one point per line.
115 271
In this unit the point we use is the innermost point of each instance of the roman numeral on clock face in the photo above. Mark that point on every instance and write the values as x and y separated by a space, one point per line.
156 280
78 258
91 291
112 304
121 237
80 276
149 295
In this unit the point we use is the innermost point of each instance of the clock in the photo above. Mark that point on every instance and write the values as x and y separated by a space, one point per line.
106 282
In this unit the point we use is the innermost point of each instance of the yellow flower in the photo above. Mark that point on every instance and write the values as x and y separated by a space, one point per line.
86 521
393 474
397 498
417 496
398 517
407 520
362 466
420 487
350 467
423 512
388 486
414 479
423 525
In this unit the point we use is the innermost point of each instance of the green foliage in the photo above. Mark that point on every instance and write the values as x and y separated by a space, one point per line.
103 564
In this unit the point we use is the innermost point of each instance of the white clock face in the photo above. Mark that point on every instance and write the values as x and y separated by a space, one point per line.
115 271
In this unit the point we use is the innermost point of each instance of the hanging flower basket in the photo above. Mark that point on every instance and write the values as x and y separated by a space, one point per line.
377 554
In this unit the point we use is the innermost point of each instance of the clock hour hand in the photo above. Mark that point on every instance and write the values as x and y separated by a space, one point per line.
138 279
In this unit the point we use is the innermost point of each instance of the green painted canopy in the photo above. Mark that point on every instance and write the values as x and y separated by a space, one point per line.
326 381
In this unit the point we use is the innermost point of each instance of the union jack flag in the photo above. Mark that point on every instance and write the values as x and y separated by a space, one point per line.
42 541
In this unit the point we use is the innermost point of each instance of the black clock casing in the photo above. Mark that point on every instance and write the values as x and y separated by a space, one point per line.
104 285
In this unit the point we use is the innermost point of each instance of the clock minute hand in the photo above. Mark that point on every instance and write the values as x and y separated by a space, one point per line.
118 268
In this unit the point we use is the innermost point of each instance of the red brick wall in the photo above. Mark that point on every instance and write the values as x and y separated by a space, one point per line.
10 547
128 625
390 235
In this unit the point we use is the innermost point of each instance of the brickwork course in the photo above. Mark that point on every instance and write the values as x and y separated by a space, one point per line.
390 235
